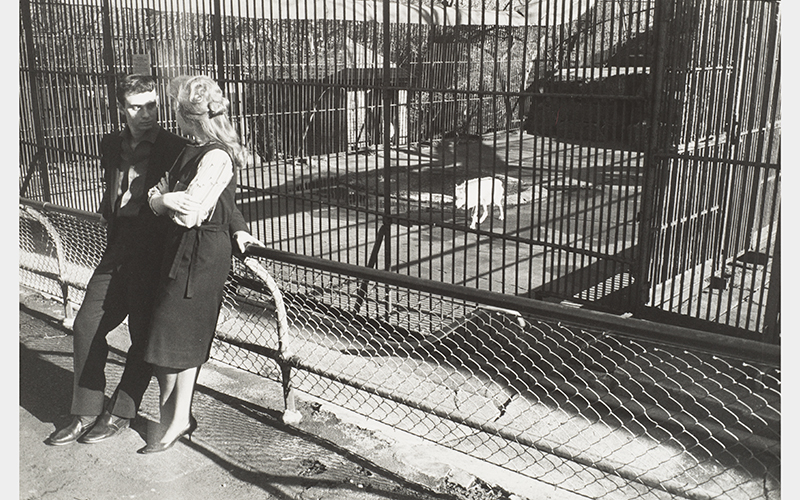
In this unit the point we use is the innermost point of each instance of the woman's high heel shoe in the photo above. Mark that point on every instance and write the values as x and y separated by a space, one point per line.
159 447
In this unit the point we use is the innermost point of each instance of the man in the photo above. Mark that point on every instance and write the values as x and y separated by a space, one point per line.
124 282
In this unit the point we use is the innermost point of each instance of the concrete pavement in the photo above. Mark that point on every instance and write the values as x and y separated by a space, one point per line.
241 450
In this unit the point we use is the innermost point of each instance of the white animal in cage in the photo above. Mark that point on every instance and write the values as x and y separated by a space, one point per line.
484 192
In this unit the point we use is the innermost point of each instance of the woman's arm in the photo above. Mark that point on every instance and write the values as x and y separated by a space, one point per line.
213 175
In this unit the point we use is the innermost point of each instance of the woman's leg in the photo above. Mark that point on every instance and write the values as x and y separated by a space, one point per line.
177 391
166 385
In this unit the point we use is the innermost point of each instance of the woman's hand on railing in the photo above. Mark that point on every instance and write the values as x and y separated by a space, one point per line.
244 239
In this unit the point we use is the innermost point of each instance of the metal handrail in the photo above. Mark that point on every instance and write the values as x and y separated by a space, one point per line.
51 207
686 338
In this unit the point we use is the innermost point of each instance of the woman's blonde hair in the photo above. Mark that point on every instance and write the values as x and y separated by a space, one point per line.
200 101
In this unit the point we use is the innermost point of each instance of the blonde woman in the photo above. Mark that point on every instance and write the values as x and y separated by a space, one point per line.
197 194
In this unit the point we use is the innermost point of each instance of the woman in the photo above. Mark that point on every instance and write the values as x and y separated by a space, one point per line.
198 195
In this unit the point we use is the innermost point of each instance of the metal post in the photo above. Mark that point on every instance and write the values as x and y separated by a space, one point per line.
387 117
643 257
108 59
772 315
216 28
25 12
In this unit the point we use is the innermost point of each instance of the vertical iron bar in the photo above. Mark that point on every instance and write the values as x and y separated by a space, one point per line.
33 75
644 256
387 160
521 100
219 44
772 313
696 127
108 59
80 126
772 327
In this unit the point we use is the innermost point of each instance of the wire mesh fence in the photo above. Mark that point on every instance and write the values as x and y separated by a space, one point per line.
596 404
58 250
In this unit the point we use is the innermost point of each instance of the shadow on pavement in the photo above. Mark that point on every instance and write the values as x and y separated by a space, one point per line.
238 442
273 431
44 388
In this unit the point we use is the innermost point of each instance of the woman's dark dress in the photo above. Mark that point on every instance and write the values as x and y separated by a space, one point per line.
193 274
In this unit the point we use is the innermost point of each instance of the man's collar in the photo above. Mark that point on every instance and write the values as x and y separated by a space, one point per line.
149 136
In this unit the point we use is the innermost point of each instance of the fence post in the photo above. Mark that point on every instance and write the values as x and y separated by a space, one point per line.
772 315
108 59
40 159
216 28
387 117
640 295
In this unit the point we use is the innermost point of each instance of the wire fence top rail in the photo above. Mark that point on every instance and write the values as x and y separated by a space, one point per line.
735 348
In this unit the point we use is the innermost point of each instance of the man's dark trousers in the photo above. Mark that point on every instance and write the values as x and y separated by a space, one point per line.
122 286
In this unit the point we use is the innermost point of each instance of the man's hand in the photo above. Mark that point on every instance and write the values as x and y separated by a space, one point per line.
163 185
243 239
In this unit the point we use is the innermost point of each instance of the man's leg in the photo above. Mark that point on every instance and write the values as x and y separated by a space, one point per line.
136 376
101 311
104 308
142 284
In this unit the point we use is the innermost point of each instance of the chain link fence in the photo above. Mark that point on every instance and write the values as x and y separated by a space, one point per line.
58 250
603 406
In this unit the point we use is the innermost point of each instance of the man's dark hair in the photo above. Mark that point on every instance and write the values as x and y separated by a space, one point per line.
134 84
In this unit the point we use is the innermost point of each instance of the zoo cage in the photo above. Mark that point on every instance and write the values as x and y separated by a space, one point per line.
638 177
715 168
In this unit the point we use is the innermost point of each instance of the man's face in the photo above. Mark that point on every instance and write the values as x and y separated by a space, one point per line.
141 111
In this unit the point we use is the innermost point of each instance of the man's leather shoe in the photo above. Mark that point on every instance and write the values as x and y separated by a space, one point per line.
107 426
70 433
